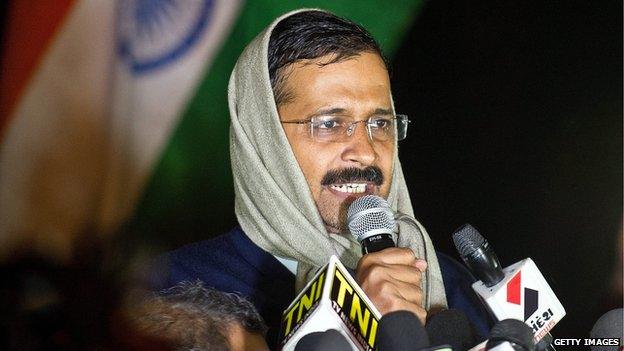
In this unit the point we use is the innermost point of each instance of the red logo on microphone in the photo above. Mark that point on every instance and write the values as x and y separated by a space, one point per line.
514 288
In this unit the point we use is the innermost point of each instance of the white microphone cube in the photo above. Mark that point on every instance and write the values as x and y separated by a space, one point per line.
525 295
331 300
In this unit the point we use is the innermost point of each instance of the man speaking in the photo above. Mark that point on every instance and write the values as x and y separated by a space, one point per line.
313 128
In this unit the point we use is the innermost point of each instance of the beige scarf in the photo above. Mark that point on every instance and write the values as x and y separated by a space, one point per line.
273 202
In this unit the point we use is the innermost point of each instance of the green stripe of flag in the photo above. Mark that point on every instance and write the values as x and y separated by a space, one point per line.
190 195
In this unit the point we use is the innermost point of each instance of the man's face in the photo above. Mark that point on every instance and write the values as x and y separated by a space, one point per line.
357 88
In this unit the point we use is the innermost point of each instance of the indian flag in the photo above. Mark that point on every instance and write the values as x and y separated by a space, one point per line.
113 114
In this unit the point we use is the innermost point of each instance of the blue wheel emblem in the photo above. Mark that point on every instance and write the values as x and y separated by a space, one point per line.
154 33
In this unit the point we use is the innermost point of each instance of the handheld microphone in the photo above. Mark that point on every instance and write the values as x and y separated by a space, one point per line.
521 292
512 335
329 340
609 326
371 222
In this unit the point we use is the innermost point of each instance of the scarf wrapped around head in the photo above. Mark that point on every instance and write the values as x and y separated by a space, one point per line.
273 203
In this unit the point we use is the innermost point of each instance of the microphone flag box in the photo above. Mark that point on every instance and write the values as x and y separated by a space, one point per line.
525 295
332 300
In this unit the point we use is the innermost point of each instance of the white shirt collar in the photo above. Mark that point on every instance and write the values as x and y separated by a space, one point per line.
291 265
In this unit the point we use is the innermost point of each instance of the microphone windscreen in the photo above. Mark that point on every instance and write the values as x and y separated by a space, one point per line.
467 239
401 330
608 326
451 327
513 331
329 340
369 214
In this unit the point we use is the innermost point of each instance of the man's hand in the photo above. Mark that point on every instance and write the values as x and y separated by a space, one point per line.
391 279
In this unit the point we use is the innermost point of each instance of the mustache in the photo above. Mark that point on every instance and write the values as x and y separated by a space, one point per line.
371 174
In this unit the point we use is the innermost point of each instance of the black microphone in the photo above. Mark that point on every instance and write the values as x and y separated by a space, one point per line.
519 291
371 222
329 340
450 327
511 334
609 326
401 330
478 255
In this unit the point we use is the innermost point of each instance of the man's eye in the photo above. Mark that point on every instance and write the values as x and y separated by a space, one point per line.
380 123
329 124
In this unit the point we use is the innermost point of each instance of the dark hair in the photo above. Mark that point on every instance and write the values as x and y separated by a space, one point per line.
193 317
309 35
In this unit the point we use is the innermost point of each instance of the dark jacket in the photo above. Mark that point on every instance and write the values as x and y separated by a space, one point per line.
233 263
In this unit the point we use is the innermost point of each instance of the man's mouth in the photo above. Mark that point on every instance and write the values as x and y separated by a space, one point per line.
351 188
353 182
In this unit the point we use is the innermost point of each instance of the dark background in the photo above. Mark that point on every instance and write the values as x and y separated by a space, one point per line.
517 129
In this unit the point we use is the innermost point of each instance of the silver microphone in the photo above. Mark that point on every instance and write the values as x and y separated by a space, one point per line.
371 222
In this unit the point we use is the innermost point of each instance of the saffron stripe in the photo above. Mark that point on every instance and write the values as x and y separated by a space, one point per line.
29 29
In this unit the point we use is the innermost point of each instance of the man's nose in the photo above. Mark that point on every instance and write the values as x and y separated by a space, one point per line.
359 148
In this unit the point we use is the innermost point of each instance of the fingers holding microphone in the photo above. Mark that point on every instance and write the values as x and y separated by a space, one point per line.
391 278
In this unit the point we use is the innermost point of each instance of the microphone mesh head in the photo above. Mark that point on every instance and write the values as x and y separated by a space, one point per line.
369 214
451 327
514 331
401 330
467 239
609 326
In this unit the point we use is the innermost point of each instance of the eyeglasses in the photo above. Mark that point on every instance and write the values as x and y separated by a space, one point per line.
340 129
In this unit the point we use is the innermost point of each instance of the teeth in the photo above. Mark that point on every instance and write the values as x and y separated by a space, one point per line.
354 188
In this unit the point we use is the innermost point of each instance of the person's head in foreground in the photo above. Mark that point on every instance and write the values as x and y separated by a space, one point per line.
191 317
